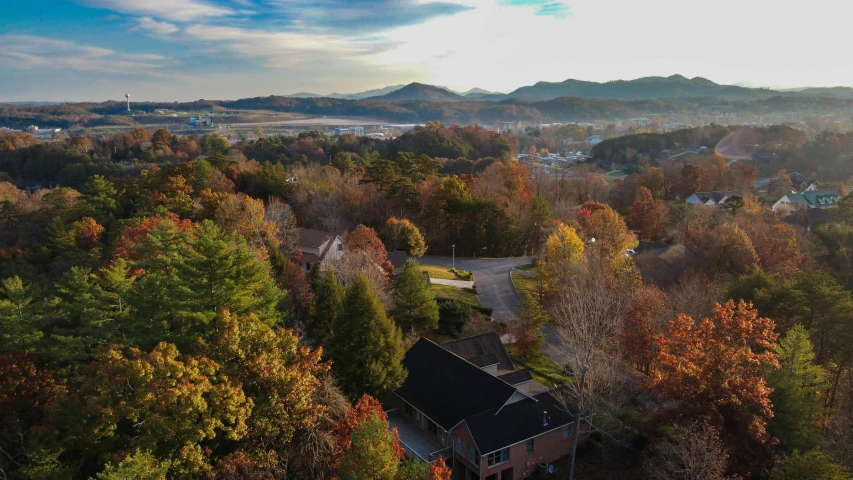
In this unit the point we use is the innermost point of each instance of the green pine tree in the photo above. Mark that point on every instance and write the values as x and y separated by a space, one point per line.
328 305
19 316
797 385
366 347
415 307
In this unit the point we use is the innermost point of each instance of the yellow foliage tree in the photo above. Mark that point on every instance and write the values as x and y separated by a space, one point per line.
562 247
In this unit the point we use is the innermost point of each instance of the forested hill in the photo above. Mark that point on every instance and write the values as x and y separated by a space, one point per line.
564 109
676 86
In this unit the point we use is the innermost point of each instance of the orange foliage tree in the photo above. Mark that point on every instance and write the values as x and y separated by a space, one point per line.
439 470
366 446
88 233
640 335
365 239
776 246
648 215
714 371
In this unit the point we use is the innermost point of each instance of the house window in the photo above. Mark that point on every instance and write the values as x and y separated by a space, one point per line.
565 431
419 418
473 456
431 427
529 446
500 456
410 411
340 247
460 446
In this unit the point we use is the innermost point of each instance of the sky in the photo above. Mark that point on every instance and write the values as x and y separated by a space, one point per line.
177 50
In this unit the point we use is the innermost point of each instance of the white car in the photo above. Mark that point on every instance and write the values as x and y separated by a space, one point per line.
630 252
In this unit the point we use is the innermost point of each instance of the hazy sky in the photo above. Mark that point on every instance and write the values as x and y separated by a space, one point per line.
223 49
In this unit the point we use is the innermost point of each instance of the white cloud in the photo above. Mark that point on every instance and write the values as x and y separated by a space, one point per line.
280 49
28 51
174 10
159 28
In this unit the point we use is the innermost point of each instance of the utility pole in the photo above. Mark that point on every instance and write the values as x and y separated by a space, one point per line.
454 256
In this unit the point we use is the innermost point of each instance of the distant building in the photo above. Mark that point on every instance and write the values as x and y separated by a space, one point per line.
593 140
711 199
641 121
377 136
826 198
201 121
357 131
32 129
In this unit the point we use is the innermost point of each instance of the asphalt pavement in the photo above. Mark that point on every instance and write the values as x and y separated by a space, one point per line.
491 276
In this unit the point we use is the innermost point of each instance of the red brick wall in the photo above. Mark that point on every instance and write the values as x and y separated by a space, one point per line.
547 448
463 433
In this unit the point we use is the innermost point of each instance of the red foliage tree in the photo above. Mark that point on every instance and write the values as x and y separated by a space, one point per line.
25 392
648 215
715 373
366 239
137 234
366 409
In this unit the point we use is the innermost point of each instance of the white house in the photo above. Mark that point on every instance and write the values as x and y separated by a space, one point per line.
826 198
318 247
593 140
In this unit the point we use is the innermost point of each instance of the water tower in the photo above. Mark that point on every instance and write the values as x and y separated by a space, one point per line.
127 96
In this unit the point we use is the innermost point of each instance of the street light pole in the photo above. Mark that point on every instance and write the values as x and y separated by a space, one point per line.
454 256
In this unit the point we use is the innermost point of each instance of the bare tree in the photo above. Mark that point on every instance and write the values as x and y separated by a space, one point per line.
279 213
838 433
588 311
694 452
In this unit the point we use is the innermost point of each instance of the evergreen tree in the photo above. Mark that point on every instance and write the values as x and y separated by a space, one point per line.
98 199
814 465
327 307
415 307
366 347
19 316
795 397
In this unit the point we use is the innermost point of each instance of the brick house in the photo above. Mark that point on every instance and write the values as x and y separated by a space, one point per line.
487 421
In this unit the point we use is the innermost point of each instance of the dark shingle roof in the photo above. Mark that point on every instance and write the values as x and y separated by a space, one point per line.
307 237
516 422
477 346
484 360
447 388
516 377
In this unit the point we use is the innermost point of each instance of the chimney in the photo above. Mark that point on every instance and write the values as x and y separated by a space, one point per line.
544 418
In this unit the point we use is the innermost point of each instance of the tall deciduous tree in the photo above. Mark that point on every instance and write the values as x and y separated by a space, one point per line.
648 215
715 372
404 235
692 452
366 347
561 249
415 307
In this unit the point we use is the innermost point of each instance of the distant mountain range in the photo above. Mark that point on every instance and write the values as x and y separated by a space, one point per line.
474 93
646 88
420 92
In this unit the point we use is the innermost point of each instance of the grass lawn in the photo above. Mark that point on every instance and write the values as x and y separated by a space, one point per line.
446 273
453 293
544 370
525 279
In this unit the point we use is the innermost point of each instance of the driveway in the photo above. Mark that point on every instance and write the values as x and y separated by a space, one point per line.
491 275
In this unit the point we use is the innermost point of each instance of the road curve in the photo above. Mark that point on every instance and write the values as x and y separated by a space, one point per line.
491 276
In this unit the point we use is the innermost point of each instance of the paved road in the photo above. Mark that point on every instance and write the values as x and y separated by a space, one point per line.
491 275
